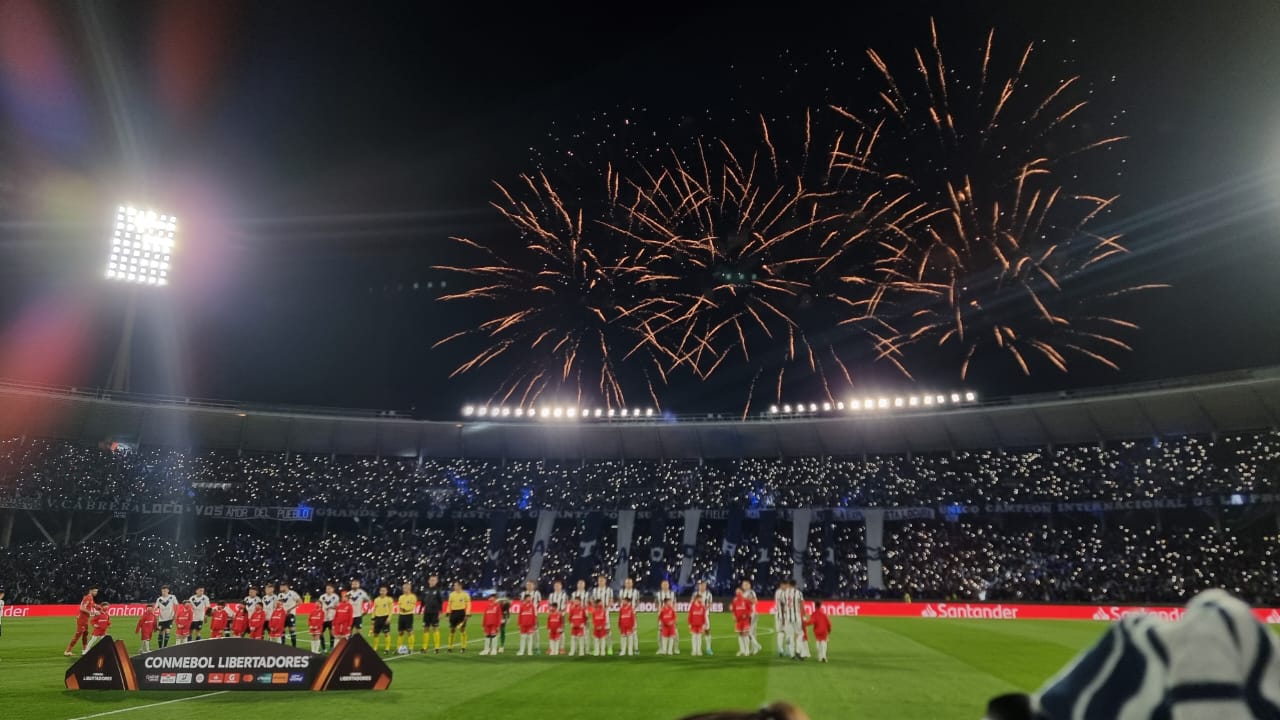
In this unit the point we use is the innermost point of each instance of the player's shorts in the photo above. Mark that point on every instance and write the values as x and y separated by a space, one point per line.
405 623
328 625
457 618
290 620
431 619
197 625
357 622
381 624
164 624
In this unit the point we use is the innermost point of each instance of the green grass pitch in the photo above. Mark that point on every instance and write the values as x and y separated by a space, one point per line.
891 668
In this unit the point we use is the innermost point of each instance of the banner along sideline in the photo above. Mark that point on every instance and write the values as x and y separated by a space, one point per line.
839 608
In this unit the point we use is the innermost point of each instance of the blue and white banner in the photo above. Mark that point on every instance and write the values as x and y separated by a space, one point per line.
622 556
689 547
587 563
800 521
497 546
657 549
764 556
541 540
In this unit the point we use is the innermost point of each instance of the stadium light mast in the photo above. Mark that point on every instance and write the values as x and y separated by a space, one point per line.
142 243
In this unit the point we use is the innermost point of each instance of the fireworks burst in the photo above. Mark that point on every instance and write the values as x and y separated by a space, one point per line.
750 253
561 295
1006 237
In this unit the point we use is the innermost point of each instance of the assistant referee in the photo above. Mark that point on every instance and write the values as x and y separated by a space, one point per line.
433 600
459 609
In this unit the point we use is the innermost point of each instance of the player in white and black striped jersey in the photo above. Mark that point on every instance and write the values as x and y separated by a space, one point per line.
629 592
603 594
750 595
533 595
779 638
704 594
268 598
581 593
790 616
664 594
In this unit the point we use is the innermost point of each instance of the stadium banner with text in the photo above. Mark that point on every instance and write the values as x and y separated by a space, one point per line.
230 664
849 608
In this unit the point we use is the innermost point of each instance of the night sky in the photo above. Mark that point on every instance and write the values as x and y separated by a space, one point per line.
319 159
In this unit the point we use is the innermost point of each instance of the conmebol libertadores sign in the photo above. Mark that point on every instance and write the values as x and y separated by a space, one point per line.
230 664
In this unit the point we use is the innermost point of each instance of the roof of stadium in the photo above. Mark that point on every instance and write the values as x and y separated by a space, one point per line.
1229 402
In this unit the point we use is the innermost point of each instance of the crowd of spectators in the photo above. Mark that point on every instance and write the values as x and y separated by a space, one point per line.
1161 556
1117 471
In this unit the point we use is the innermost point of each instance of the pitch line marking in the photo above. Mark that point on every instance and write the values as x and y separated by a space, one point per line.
149 705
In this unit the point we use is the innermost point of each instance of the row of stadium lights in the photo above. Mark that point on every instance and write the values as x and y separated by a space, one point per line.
852 405
882 403
555 413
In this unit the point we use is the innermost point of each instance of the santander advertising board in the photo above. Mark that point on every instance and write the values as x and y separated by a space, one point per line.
835 608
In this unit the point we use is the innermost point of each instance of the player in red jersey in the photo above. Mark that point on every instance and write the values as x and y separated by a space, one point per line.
555 630
577 628
527 620
182 622
315 627
627 628
343 618
240 623
276 623
257 622
217 621
600 628
821 624
491 625
101 624
667 628
697 623
146 627
742 612
88 608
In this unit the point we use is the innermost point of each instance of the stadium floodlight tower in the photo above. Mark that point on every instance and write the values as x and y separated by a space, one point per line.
142 243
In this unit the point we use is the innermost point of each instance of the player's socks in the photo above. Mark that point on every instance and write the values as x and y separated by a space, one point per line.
464 640
436 636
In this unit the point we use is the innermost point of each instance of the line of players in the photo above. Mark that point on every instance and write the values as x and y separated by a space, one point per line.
336 616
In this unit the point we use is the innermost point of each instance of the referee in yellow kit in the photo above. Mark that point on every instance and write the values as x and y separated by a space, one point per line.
459 609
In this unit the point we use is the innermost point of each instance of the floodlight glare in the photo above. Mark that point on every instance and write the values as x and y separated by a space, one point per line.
840 406
883 402
506 411
140 246
519 412
928 399
648 412
546 412
813 407
826 407
942 399
855 405
624 412
913 401
955 397
484 410
467 410
571 412
773 409
786 408
898 402
970 397
558 412
612 412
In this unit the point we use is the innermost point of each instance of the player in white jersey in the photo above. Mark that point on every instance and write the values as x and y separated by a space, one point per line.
359 599
581 594
791 620
535 597
289 599
249 602
269 599
603 594
559 599
199 606
329 601
779 636
703 594
166 606
664 594
750 595
629 592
